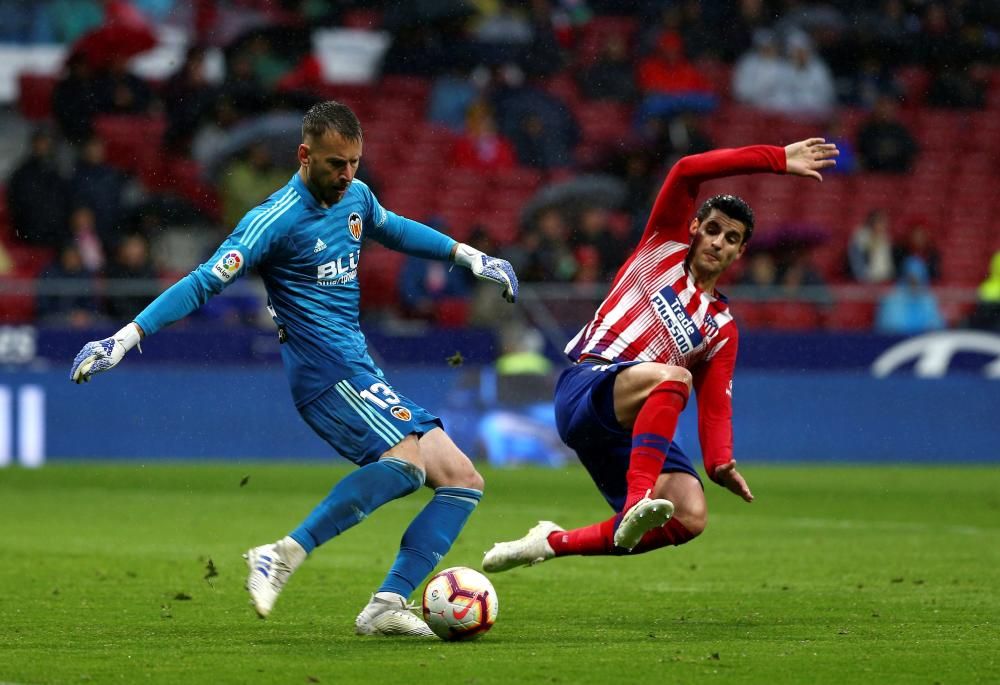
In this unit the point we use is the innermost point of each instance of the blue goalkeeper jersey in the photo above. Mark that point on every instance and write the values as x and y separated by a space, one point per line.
308 257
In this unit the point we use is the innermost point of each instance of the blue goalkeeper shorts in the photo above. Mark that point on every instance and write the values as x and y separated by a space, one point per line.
585 418
362 417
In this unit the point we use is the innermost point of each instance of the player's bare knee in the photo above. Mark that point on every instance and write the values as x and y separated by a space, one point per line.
695 522
475 481
678 374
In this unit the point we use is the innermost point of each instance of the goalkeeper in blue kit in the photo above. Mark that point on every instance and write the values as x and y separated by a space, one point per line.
305 241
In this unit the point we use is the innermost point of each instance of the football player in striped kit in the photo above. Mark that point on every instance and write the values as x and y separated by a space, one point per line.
306 242
662 331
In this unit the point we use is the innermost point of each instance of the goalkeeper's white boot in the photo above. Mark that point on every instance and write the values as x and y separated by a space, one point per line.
270 567
644 516
532 549
389 614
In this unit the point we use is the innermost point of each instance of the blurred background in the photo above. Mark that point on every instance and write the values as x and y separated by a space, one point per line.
134 135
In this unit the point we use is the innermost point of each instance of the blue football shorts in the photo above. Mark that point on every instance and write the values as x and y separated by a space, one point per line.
362 417
585 418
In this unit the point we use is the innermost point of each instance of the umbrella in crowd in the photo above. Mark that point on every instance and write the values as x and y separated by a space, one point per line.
123 35
594 190
279 132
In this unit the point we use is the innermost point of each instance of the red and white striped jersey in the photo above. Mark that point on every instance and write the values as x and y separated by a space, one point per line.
655 312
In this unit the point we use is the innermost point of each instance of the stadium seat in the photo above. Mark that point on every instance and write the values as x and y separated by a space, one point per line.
603 122
594 34
127 140
451 312
379 280
847 315
791 316
34 99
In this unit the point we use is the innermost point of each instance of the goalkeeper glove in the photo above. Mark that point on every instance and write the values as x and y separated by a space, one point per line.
488 269
101 355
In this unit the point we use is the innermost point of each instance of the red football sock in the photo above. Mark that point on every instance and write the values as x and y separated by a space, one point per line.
598 539
670 533
651 435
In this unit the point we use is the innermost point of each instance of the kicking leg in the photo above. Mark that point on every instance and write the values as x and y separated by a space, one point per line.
458 487
351 500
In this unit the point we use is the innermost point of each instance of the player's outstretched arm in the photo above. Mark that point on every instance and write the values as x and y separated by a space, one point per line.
807 157
727 476
101 355
487 268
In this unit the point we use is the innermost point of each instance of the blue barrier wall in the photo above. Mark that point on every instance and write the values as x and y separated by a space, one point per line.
239 413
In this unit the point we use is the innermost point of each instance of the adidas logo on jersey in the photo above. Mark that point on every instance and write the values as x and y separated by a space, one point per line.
320 246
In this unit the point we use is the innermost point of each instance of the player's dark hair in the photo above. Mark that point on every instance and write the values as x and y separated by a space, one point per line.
331 115
733 207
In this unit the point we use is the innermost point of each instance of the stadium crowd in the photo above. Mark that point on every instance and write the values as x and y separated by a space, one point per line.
535 130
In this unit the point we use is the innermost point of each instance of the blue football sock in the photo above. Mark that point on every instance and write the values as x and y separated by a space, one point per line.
429 538
355 496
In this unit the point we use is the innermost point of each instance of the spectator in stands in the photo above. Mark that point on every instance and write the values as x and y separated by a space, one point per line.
760 274
612 75
595 245
451 96
806 84
481 147
958 86
247 181
37 196
211 139
986 314
503 22
911 307
871 80
884 142
847 161
423 283
67 291
132 262
672 79
100 187
83 235
736 33
799 279
673 137
188 98
540 125
758 72
544 249
75 100
119 91
242 86
917 243
869 252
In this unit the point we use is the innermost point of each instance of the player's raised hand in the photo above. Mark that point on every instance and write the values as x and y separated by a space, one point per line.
727 476
807 157
488 268
101 355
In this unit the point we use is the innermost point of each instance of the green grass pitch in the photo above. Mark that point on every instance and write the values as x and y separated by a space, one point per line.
834 575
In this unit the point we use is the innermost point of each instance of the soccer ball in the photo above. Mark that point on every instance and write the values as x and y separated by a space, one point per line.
460 604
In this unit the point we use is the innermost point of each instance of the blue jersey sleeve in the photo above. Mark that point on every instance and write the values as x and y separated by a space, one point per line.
257 237
405 235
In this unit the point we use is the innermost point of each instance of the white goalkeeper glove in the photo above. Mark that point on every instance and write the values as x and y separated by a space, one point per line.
488 269
101 355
